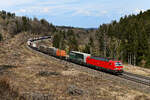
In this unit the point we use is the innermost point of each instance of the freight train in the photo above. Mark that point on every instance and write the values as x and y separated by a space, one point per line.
104 64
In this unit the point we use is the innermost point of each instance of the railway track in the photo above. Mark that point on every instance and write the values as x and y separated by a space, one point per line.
136 78
126 75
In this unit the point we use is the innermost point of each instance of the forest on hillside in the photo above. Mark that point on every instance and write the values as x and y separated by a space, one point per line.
13 24
0 37
127 40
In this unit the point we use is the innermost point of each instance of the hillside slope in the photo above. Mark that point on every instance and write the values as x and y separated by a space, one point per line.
30 74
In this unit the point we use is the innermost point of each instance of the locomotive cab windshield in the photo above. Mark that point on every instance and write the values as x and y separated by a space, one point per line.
118 64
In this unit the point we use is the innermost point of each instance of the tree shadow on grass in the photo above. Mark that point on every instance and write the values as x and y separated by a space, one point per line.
5 67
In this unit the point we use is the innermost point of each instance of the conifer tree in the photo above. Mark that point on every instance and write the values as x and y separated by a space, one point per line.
1 37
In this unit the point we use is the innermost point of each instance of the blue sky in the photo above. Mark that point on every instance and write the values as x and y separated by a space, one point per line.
77 13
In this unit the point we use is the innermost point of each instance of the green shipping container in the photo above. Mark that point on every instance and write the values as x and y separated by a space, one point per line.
78 57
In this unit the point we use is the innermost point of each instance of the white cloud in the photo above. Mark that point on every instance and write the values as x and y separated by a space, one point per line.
137 10
81 12
87 12
45 10
104 12
90 10
22 10
39 10
53 7
10 3
62 9
56 2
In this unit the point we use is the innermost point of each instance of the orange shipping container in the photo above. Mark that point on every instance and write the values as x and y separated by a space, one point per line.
61 53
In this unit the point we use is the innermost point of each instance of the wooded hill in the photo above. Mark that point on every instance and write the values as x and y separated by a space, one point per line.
127 40
11 24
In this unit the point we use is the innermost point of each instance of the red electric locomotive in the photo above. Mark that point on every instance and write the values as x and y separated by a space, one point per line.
105 64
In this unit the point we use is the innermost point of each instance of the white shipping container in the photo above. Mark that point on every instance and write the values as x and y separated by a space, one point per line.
34 45
28 42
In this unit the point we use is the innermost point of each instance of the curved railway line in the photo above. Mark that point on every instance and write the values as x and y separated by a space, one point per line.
126 75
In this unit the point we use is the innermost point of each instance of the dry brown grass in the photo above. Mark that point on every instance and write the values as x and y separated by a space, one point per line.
7 92
137 70
71 72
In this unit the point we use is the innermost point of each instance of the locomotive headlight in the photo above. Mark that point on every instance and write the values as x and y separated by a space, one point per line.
116 68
